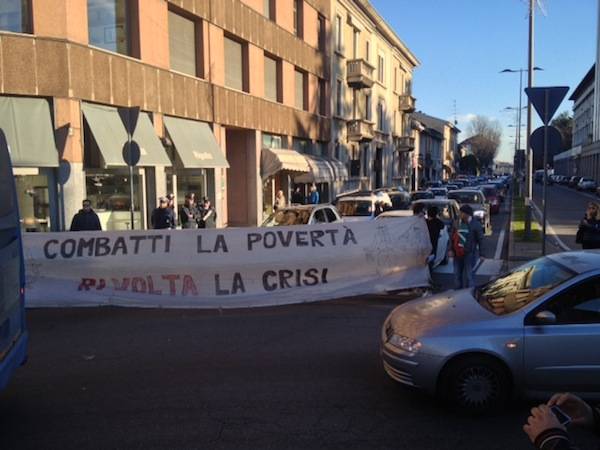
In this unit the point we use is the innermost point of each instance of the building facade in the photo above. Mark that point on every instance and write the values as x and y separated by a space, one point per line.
371 79
216 81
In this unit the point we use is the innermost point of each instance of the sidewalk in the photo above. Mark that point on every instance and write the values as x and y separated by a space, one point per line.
519 249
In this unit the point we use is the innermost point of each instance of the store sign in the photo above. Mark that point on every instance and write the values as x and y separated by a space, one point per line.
226 268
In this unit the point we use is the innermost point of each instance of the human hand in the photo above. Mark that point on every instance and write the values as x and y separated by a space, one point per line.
542 418
579 411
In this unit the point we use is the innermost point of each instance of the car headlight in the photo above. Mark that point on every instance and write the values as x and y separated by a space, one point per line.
404 343
479 214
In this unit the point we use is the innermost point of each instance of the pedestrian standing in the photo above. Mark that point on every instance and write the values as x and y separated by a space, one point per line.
86 219
418 210
207 217
466 245
315 197
162 217
172 206
588 234
297 196
279 201
435 227
189 212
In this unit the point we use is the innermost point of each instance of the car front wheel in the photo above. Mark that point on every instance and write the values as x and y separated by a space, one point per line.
476 384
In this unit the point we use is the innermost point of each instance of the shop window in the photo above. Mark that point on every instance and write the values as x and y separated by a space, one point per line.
109 25
185 39
34 201
236 63
15 16
272 141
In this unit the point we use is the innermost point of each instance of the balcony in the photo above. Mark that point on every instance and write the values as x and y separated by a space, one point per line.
406 103
359 74
359 130
404 143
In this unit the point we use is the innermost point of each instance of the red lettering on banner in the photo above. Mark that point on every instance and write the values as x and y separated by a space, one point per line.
172 286
189 287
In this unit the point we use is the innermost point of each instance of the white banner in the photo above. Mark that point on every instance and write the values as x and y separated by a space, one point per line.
225 268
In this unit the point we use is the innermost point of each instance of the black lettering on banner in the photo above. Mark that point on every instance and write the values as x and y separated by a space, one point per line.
315 236
238 284
221 244
285 238
85 244
332 234
119 246
284 276
137 240
349 236
253 238
324 275
154 238
298 277
67 248
311 278
301 238
269 239
102 247
168 243
218 290
199 245
265 279
47 245
138 284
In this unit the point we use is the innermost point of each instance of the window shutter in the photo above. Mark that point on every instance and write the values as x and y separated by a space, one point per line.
233 65
299 85
270 79
182 44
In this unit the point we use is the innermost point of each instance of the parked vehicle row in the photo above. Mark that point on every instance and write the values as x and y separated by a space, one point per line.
586 184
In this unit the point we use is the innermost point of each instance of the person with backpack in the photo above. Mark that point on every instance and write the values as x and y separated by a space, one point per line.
466 246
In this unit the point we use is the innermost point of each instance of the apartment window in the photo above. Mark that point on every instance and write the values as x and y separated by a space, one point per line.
395 79
338 33
15 16
322 97
235 65
299 18
338 98
273 79
108 25
184 44
355 42
322 33
380 116
368 51
380 69
368 106
354 104
269 9
301 81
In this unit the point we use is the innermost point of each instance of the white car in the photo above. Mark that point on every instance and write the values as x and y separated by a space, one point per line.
587 184
303 215
441 253
359 208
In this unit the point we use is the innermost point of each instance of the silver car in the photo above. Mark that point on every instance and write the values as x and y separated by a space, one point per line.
530 332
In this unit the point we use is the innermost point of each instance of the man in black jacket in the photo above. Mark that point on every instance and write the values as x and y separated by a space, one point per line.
545 430
86 219
162 217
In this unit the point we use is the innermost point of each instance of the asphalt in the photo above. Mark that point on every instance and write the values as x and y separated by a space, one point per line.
565 209
295 377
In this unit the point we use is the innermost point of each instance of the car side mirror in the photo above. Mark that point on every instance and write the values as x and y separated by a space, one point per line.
545 318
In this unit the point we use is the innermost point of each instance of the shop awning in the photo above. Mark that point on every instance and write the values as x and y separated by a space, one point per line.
340 169
110 135
28 128
273 160
195 144
320 171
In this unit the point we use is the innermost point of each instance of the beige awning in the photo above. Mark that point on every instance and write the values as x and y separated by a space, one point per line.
195 144
340 169
320 171
274 160
110 135
29 133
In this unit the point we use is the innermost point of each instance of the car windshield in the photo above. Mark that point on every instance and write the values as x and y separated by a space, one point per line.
465 197
355 207
400 201
489 191
517 289
420 195
439 191
286 217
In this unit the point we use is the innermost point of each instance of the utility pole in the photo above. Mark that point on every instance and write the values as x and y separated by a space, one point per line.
528 152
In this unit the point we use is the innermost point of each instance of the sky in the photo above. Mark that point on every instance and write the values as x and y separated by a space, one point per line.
462 46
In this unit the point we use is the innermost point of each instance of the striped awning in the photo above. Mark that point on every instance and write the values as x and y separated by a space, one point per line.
320 171
273 160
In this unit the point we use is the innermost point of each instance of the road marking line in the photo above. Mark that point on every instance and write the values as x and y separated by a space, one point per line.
500 244
559 241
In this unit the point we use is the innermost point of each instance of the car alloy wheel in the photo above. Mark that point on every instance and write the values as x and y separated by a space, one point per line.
477 386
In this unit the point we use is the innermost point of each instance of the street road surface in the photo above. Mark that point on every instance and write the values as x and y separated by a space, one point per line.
566 208
295 377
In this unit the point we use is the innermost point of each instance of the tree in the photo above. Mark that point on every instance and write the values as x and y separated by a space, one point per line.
564 123
469 165
486 135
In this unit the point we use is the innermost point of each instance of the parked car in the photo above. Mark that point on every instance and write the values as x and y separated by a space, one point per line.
420 195
587 184
433 184
400 200
443 245
452 187
303 215
474 198
490 192
574 181
564 180
531 332
448 210
362 207
440 192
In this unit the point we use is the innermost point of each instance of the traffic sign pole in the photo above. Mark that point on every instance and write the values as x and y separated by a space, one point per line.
131 205
545 187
